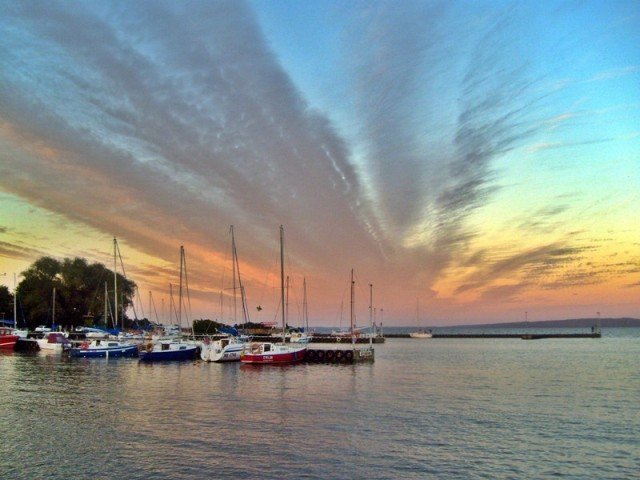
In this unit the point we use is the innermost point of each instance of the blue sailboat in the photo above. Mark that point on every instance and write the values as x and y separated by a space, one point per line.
170 350
104 349
173 350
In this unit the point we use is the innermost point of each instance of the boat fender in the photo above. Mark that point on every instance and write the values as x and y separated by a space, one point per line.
310 355
348 356
330 355
84 346
320 355
339 355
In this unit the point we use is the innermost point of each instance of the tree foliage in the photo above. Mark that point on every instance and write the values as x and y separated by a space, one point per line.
79 299
6 303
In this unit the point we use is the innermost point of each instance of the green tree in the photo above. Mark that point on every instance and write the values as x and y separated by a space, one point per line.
79 292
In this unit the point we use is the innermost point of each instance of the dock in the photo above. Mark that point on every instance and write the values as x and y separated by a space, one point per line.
321 338
26 345
339 355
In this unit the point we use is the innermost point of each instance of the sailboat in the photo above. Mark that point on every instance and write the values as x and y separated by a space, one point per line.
230 348
421 332
304 336
275 353
172 349
53 341
8 339
102 347
22 333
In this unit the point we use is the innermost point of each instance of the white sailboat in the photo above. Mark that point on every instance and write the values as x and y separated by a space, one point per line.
304 336
16 331
53 341
229 349
421 332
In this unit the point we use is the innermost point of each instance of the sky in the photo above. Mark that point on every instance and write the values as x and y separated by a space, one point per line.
472 162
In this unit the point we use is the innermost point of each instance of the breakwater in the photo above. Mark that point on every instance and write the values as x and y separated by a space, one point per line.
523 336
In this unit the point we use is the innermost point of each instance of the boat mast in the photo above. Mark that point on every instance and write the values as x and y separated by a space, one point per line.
282 281
115 285
305 315
371 313
53 316
180 290
172 308
233 272
15 303
353 338
106 324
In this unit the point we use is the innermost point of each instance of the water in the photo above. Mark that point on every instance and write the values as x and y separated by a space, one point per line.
439 408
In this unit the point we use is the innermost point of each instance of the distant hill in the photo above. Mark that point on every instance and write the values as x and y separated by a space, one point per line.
569 323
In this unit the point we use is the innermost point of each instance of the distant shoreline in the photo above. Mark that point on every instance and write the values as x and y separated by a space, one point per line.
569 323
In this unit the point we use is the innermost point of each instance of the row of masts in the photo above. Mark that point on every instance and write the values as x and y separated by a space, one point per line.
183 275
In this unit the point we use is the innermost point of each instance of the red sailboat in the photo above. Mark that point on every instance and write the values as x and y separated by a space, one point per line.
8 338
275 353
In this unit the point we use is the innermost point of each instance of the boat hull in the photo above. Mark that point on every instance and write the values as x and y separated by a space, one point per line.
274 358
8 342
420 335
116 352
230 353
189 353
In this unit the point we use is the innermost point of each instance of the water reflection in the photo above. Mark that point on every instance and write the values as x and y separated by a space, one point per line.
422 409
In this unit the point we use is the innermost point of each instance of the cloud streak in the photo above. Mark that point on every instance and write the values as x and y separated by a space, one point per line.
164 123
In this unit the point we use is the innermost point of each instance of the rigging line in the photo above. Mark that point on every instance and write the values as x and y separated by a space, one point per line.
109 314
95 295
236 263
153 304
172 306
124 274
296 302
139 300
186 281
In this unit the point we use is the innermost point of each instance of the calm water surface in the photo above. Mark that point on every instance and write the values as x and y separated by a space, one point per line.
439 408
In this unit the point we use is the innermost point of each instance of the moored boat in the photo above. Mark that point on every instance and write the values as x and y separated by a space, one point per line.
8 338
54 341
275 353
300 337
421 334
104 349
224 350
169 350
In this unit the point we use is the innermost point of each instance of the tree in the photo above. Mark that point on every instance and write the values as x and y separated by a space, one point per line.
79 292
6 303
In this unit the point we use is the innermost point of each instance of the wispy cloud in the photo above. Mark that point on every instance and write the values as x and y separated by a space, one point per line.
163 123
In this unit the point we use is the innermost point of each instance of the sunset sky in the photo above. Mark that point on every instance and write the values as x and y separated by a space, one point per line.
480 159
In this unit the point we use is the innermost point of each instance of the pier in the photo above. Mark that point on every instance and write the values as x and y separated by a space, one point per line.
339 355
